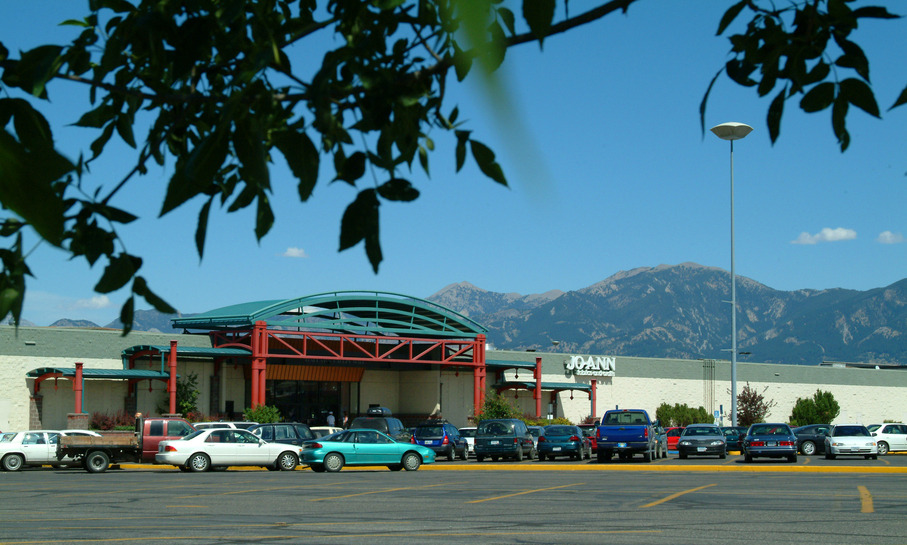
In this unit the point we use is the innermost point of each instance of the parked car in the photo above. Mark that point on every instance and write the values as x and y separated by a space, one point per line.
364 447
811 438
889 437
290 433
769 441
536 432
562 440
443 438
322 431
503 438
850 440
733 435
224 425
702 440
469 435
380 418
29 448
661 442
673 435
224 447
589 432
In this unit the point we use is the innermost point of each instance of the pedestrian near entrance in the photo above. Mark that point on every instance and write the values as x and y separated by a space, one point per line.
346 420
330 418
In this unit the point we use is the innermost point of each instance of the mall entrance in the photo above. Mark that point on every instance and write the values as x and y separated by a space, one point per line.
309 402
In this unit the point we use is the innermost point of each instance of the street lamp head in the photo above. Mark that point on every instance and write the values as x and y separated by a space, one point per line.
731 131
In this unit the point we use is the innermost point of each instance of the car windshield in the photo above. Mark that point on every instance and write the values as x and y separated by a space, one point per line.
851 431
495 428
370 423
535 432
873 427
627 417
191 435
559 430
770 429
7 437
467 432
429 431
700 430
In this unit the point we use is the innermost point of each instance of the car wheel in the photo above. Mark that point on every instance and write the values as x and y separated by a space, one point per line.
13 462
451 454
199 462
333 462
287 461
519 454
480 458
464 455
411 461
97 462
808 448
883 448
533 454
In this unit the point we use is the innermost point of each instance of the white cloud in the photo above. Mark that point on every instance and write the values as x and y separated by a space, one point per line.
887 237
293 251
96 302
826 235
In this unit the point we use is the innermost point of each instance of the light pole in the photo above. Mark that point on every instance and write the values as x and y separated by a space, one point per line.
733 131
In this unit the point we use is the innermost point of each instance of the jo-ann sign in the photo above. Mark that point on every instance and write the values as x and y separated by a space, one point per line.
599 366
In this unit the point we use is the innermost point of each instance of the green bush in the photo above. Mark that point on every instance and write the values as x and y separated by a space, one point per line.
263 414
821 409
681 415
496 406
752 406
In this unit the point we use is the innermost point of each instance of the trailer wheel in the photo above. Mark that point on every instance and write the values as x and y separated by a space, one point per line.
97 462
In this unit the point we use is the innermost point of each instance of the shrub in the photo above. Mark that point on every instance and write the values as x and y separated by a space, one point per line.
496 406
263 414
752 406
682 415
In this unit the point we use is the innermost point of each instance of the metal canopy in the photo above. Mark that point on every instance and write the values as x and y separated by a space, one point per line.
64 372
548 386
369 313
187 351
510 364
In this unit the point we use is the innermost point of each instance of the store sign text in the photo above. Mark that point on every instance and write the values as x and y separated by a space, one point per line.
599 366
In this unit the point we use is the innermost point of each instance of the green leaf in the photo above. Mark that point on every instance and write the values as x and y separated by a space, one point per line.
264 217
201 230
302 157
775 111
818 98
34 69
350 169
117 6
509 20
875 12
196 173
124 129
538 15
705 100
398 189
901 100
32 129
858 93
360 222
118 272
250 150
485 158
140 287
839 122
730 15
462 139
423 159
126 314
853 57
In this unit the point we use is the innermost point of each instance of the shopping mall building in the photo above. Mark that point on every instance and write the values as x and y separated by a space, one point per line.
345 351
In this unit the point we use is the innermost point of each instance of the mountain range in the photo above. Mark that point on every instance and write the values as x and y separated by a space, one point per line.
676 311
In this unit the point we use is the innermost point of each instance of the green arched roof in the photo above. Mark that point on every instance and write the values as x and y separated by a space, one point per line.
372 313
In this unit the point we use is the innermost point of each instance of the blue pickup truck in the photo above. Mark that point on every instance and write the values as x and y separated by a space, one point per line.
626 432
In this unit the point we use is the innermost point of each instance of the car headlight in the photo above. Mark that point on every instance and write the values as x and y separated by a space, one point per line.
871 444
685 443
716 443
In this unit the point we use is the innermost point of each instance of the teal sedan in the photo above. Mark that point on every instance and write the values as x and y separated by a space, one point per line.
362 447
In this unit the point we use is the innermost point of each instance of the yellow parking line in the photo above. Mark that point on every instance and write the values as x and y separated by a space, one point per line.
675 495
524 492
865 500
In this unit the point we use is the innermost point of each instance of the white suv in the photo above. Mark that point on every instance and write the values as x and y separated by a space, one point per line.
890 437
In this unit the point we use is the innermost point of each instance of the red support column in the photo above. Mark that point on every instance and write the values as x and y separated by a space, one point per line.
478 373
171 383
592 396
259 359
537 373
77 387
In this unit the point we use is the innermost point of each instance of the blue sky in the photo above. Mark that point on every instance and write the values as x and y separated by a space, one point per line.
608 171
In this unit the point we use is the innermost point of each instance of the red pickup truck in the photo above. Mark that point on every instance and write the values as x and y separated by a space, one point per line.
97 453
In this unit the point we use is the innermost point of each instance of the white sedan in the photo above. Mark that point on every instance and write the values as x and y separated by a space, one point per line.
34 448
220 448
850 440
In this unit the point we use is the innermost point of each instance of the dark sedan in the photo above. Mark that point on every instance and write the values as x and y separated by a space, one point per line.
702 440
733 435
811 439
559 440
770 441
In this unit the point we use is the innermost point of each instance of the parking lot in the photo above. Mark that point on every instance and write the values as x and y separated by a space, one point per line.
667 501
